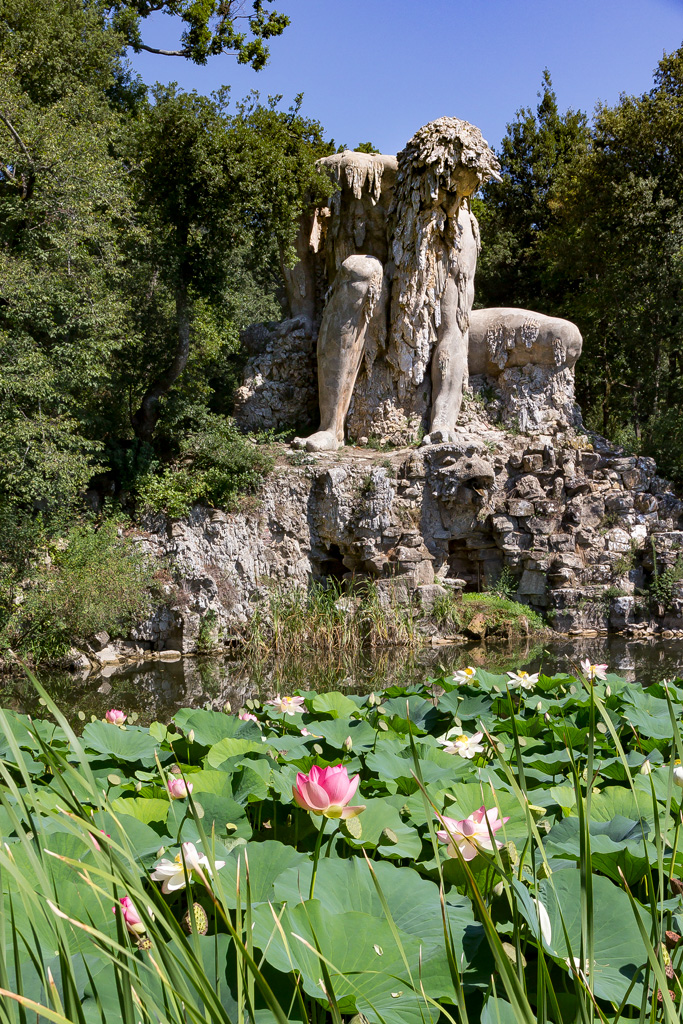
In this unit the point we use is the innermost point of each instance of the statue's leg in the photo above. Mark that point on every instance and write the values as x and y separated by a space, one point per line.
449 367
341 342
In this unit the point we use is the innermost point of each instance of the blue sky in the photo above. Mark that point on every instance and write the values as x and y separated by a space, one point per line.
376 70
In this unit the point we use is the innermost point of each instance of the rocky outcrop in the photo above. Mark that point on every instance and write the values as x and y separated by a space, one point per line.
582 528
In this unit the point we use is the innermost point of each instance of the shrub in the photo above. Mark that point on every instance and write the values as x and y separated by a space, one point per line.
216 464
94 579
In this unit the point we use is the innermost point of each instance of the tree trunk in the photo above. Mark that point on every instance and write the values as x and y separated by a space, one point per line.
144 421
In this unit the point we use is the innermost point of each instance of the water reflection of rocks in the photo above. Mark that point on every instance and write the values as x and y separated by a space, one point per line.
157 689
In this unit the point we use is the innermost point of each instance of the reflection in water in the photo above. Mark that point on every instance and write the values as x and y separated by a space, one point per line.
157 689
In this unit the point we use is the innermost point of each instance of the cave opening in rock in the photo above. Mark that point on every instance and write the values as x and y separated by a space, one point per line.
471 564
332 568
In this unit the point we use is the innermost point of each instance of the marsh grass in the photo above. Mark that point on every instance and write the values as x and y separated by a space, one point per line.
332 618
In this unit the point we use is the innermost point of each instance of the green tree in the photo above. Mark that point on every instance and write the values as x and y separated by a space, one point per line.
211 27
231 205
617 243
515 214
64 204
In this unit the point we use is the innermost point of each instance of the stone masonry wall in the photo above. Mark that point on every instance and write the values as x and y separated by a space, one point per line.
580 525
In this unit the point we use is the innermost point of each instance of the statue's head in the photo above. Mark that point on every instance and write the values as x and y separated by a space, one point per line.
446 161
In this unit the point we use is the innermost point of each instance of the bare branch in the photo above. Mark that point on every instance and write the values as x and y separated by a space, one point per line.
7 173
164 53
17 138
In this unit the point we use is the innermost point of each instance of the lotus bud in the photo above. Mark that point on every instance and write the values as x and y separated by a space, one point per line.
348 743
196 917
190 736
608 691
539 706
646 768
547 716
678 773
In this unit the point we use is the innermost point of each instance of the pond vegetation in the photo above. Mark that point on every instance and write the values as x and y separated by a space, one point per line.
480 847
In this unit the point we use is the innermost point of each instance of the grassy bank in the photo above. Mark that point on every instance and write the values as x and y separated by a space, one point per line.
367 615
487 615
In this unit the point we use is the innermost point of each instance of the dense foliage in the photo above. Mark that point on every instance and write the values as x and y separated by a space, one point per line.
138 234
588 224
63 582
327 854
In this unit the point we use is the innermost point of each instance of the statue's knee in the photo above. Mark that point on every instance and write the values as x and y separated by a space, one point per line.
362 269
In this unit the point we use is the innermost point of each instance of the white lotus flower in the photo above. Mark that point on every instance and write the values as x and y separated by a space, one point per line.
544 921
593 671
465 746
465 675
678 773
287 705
523 679
171 874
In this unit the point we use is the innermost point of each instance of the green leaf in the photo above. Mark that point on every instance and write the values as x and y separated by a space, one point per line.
131 744
335 704
233 747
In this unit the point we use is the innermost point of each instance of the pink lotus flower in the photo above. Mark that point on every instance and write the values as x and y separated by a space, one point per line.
246 716
471 834
287 705
132 919
115 717
178 788
327 791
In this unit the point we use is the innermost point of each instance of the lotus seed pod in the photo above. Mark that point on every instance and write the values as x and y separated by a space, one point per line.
196 917
672 939
174 769
676 886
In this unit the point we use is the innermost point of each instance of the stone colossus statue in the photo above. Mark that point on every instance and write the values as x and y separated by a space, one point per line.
402 247
387 268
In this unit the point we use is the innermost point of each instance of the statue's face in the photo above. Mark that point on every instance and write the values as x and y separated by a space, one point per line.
462 183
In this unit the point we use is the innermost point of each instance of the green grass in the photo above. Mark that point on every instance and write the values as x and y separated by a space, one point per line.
503 616
332 618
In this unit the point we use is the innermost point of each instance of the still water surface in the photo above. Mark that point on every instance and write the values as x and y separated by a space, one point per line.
158 689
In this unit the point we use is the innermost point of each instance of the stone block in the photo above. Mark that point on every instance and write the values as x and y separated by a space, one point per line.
423 573
621 612
503 524
532 584
562 542
520 507
428 594
532 463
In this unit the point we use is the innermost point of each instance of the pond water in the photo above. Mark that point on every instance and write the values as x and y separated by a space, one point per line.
156 690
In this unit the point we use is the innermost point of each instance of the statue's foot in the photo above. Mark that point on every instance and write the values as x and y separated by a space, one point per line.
321 441
440 436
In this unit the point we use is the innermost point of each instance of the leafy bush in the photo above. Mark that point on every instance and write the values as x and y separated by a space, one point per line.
216 465
505 585
662 583
663 441
91 579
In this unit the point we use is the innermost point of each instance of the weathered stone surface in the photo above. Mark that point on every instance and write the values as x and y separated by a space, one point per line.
279 388
449 516
386 278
